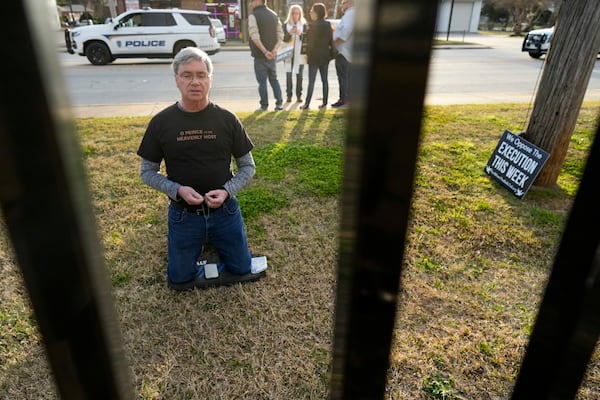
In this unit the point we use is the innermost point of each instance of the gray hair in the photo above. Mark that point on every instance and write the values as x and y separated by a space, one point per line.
190 54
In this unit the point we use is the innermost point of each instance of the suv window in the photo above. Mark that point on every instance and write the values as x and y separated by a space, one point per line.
196 19
158 19
131 20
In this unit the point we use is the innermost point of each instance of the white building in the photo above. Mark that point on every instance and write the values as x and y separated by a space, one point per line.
461 16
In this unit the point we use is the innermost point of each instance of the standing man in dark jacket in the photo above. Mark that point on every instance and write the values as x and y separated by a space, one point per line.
266 35
344 40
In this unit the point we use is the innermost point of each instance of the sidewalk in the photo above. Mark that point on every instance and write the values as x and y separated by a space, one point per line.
149 109
236 45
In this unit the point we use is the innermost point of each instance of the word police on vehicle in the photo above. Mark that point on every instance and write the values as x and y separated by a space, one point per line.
142 43
145 33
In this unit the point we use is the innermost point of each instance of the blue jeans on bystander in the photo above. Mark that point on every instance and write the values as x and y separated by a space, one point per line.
290 85
266 70
312 77
342 69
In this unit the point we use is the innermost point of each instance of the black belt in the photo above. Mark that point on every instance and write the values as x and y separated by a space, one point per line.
199 209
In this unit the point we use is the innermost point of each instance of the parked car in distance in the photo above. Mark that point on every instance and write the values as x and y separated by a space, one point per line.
219 30
537 42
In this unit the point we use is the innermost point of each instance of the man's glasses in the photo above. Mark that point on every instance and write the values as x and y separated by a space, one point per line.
189 77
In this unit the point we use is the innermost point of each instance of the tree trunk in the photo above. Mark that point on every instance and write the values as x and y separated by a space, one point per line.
567 70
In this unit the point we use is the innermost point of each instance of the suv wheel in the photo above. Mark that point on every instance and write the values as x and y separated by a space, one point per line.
182 45
98 54
535 54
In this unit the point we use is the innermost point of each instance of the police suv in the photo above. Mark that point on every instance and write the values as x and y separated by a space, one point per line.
144 33
537 42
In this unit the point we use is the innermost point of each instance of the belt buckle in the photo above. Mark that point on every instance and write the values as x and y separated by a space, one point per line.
200 210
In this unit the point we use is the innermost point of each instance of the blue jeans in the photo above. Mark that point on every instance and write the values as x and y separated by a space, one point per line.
266 69
290 84
312 77
189 231
342 68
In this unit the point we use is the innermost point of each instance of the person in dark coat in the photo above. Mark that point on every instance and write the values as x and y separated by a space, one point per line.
318 52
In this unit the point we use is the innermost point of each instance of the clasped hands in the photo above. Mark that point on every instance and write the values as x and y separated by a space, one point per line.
270 55
213 199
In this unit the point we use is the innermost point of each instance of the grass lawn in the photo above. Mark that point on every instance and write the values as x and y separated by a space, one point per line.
475 266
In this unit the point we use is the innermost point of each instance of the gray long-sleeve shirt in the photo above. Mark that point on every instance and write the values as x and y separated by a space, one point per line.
151 176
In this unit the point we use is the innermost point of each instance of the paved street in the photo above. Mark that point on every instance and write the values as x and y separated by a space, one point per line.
485 69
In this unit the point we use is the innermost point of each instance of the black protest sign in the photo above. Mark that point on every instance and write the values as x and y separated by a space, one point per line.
515 163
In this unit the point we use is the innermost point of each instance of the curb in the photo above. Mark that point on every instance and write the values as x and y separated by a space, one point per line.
238 45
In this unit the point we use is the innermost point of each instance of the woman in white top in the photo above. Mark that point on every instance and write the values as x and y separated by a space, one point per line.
293 27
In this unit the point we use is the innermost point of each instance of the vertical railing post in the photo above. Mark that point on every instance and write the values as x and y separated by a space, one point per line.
391 56
49 215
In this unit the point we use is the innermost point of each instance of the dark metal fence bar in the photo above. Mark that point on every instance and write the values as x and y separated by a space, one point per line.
391 60
46 207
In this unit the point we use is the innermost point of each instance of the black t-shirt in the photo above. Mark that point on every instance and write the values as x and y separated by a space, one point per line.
196 146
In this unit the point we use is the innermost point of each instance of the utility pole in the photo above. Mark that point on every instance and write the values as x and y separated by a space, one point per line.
72 19
568 67
450 20
112 7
